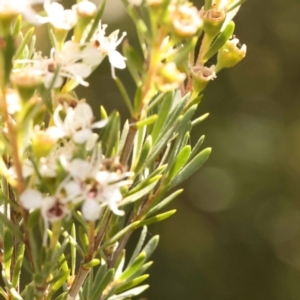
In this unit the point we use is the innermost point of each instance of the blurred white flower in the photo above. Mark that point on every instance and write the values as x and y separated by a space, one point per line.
10 8
78 123
72 62
59 17
107 46
53 208
13 102
98 188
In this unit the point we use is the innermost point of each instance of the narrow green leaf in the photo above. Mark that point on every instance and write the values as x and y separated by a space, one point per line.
124 94
8 53
157 218
83 238
14 294
8 249
18 265
120 234
132 283
140 193
131 269
162 204
139 245
181 55
63 296
131 293
12 227
176 110
103 284
142 270
93 263
138 143
73 249
220 41
73 243
90 284
138 101
24 42
144 154
235 5
191 167
157 100
151 246
3 293
134 62
99 276
123 136
200 120
197 147
17 26
59 281
164 111
29 292
180 161
147 121
96 21
103 113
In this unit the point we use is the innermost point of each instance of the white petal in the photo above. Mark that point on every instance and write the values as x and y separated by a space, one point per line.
99 124
82 136
92 56
72 189
84 112
79 168
91 210
91 142
117 60
31 199
78 69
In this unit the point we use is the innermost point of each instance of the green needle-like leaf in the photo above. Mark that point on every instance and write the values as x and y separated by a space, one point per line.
196 163
103 284
220 41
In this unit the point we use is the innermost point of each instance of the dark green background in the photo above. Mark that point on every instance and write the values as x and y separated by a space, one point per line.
236 234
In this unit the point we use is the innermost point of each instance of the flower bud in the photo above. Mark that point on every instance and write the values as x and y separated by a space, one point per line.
26 82
169 77
229 55
201 77
62 20
43 141
185 20
213 20
85 11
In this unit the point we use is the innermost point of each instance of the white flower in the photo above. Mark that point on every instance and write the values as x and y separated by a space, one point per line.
71 62
52 208
15 7
13 102
59 17
107 46
77 123
98 188
48 165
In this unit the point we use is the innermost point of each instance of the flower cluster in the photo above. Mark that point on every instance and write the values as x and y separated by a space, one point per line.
98 179
96 182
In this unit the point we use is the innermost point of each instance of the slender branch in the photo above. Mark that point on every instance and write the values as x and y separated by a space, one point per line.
128 146
83 272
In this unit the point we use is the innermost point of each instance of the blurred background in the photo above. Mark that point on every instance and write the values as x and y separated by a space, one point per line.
236 234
